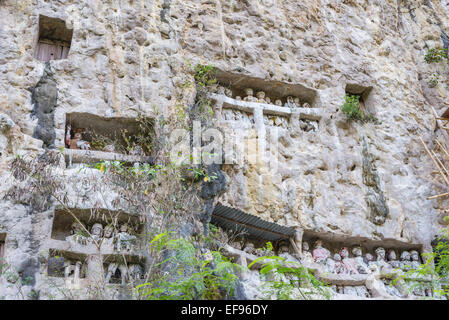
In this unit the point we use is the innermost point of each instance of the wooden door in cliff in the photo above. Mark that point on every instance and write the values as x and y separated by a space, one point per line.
47 51
2 249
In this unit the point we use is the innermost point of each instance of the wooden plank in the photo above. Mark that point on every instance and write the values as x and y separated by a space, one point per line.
435 162
46 52
438 196
65 52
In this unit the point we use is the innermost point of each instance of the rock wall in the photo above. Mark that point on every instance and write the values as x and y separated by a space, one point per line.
127 57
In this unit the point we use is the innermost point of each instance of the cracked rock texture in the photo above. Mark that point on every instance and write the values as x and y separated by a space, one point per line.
359 180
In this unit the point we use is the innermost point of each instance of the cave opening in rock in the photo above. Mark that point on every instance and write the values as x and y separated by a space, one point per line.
54 39
65 225
115 135
362 92
252 89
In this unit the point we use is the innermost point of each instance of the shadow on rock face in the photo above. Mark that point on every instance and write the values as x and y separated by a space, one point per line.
44 97
209 190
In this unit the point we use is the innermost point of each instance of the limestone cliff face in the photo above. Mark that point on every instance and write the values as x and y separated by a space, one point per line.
126 57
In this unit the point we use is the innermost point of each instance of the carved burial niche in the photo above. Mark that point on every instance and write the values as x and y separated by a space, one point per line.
274 90
123 269
63 222
362 92
334 242
2 245
129 136
54 39
64 264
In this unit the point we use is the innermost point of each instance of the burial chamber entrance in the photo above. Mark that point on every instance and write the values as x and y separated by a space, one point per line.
63 221
275 92
92 138
54 39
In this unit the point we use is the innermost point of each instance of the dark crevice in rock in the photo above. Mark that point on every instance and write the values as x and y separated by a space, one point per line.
209 190
445 39
165 10
374 198
44 97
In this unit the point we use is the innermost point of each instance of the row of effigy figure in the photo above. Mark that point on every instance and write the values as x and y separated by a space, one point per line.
74 269
246 117
237 115
132 272
260 97
119 241
342 263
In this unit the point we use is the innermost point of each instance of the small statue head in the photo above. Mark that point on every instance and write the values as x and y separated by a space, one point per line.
76 228
124 227
305 246
278 102
109 148
237 245
108 231
267 100
97 229
249 92
405 256
260 95
249 246
228 92
238 98
78 136
414 255
221 90
357 251
337 257
380 252
136 270
391 255
318 244
284 249
373 268
344 253
297 102
290 100
369 257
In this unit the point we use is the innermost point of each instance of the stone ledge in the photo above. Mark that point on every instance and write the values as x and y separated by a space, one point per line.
80 252
239 254
90 156
304 113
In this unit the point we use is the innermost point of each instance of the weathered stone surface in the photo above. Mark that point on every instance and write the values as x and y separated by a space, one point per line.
130 56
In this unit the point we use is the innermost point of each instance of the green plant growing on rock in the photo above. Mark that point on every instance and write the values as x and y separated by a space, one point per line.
434 79
436 55
205 77
435 269
143 138
351 108
191 275
288 280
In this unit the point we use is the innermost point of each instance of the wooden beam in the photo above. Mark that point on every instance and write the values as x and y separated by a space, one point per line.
435 162
438 196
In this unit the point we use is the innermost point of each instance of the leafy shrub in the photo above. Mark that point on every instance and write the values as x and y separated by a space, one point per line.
436 55
351 108
192 275
288 280
435 268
